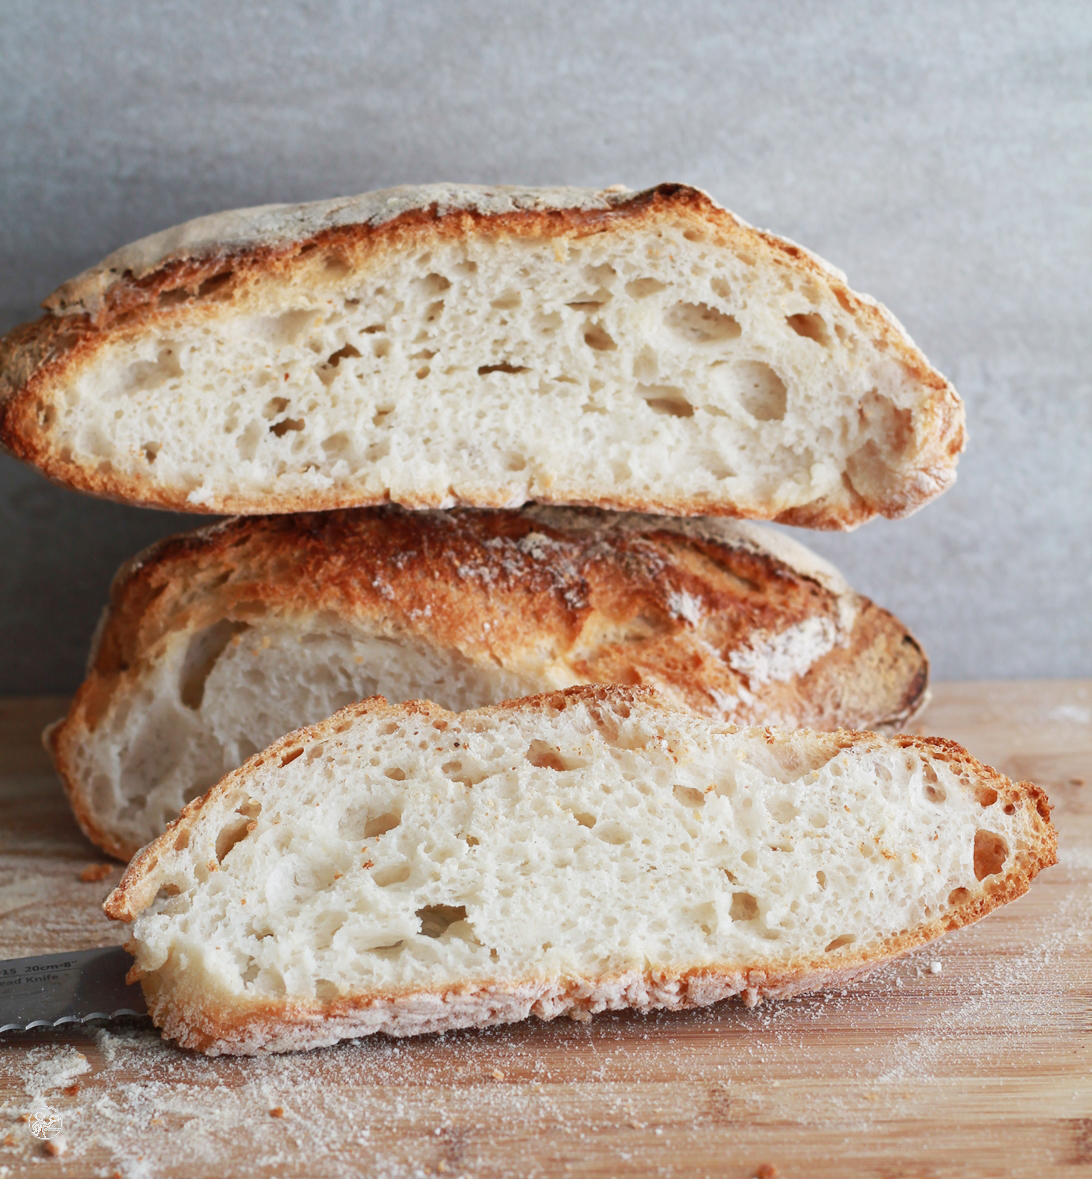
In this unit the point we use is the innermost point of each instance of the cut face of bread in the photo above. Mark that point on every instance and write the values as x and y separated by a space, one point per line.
217 643
456 345
406 869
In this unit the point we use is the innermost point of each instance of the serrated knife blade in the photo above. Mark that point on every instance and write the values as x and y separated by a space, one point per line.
56 989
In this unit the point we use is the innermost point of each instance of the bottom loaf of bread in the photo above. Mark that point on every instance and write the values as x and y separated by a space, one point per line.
406 869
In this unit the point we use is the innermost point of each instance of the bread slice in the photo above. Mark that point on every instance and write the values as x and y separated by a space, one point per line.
452 345
217 643
406 869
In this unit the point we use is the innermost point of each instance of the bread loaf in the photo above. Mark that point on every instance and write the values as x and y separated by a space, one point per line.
452 345
217 643
405 869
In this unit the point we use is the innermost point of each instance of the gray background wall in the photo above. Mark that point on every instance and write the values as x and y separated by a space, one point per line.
940 152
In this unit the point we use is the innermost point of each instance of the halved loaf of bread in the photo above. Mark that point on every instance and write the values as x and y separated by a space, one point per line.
406 869
217 643
452 345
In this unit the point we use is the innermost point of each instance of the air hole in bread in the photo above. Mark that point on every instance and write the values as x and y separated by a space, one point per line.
547 323
291 756
612 833
325 991
348 352
503 367
931 786
422 372
391 875
821 878
395 773
990 853
151 374
603 275
762 392
986 796
720 287
231 835
336 265
1010 809
336 444
435 919
811 326
434 284
201 655
666 399
598 338
641 288
698 323
288 424
151 450
182 840
173 298
215 284
507 301
744 907
548 757
584 818
458 772
958 895
845 939
689 796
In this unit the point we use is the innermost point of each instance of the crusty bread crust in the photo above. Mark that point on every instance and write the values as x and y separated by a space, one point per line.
255 1025
691 607
199 270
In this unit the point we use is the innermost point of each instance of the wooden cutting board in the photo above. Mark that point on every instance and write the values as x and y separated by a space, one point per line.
972 1057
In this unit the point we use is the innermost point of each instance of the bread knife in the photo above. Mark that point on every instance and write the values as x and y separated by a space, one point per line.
56 989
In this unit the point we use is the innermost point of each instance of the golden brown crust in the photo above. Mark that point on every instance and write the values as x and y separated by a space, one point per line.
598 598
38 358
259 1025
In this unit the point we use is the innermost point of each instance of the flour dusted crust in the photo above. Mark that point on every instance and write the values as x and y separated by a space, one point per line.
122 334
193 937
731 619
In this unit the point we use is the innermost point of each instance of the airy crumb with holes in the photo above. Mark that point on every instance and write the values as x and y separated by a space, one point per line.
558 855
648 351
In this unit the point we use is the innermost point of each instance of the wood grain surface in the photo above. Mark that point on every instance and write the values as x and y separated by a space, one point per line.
972 1057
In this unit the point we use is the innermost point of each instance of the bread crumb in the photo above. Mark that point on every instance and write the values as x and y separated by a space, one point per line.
55 1147
277 1111
95 872
72 1089
935 968
498 1074
9 1140
766 1171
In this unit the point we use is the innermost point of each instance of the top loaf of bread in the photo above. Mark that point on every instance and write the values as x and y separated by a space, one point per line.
449 344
